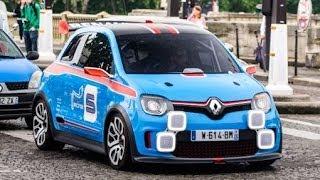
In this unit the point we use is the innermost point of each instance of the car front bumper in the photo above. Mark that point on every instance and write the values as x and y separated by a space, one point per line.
22 109
231 160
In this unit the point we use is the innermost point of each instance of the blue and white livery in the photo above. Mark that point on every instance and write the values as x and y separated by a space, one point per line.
155 93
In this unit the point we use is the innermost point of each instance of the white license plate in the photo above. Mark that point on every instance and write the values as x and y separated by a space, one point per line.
215 135
9 100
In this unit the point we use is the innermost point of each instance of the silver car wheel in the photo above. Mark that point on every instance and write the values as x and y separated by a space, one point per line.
40 124
116 141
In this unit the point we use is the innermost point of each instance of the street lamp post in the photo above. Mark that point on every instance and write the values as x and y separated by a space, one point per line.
278 67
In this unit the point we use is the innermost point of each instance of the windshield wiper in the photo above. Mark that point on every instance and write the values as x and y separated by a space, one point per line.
9 57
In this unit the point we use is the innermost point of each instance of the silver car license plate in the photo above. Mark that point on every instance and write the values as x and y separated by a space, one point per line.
215 135
9 100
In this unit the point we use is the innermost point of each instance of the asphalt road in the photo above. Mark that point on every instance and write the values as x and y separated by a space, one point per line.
20 159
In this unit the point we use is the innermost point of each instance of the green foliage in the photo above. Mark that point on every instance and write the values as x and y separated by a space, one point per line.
125 6
238 5
249 5
10 4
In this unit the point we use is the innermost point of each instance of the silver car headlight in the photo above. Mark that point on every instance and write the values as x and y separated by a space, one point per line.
35 80
154 105
261 102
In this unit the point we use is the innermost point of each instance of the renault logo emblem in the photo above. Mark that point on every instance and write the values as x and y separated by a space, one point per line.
215 107
1 88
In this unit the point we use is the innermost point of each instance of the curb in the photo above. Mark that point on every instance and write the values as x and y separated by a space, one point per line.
298 107
293 80
293 98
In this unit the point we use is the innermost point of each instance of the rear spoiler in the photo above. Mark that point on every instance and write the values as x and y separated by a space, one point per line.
79 25
105 22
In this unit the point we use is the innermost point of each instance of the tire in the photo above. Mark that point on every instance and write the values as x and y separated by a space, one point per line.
29 121
117 143
261 164
42 128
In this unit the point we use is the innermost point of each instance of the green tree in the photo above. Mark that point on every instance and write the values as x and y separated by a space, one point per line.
125 6
293 6
238 5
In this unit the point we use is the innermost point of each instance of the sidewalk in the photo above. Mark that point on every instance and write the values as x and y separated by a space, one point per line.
306 76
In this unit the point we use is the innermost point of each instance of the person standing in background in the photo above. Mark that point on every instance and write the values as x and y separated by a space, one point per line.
264 64
30 12
17 14
215 6
197 18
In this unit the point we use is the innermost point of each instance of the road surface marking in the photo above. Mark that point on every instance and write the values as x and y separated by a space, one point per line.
300 122
301 134
21 134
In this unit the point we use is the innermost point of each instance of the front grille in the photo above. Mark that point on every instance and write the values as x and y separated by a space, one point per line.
246 146
24 107
204 110
13 86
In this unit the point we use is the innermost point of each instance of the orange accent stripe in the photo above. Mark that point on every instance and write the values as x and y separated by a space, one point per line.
194 74
154 28
172 29
204 104
113 85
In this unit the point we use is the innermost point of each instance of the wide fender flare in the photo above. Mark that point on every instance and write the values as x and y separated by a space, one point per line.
123 112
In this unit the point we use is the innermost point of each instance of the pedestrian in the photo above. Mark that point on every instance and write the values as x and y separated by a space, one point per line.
264 64
30 12
17 14
215 6
197 18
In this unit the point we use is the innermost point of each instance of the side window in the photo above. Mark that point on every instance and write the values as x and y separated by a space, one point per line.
97 53
69 53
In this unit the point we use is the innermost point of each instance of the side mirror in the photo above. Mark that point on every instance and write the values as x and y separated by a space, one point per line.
251 70
97 72
32 55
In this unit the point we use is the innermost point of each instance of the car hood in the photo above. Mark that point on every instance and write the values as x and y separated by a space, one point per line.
15 70
226 87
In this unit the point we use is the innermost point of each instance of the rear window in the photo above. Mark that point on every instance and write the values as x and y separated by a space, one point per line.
7 49
166 54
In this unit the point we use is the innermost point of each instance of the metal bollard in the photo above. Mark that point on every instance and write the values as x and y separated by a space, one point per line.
296 54
237 41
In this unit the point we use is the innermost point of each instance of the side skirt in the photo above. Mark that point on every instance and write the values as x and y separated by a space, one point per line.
79 142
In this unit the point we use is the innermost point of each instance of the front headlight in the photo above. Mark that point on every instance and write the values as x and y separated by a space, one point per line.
35 80
155 105
261 102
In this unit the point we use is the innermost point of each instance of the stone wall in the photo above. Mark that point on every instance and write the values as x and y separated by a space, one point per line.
224 26
255 18
313 48
226 31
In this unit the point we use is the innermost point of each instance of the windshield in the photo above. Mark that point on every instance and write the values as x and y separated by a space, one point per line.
7 49
165 54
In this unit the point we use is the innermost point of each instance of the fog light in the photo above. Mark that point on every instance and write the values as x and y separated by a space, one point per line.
256 119
166 142
177 121
266 139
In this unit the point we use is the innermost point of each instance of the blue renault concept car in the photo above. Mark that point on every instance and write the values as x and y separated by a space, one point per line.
18 81
155 93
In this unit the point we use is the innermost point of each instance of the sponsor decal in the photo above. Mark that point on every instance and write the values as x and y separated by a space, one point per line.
77 99
90 103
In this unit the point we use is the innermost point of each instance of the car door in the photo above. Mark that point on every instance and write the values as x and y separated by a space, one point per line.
89 95
60 83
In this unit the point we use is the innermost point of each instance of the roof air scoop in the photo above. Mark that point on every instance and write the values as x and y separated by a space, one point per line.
193 72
